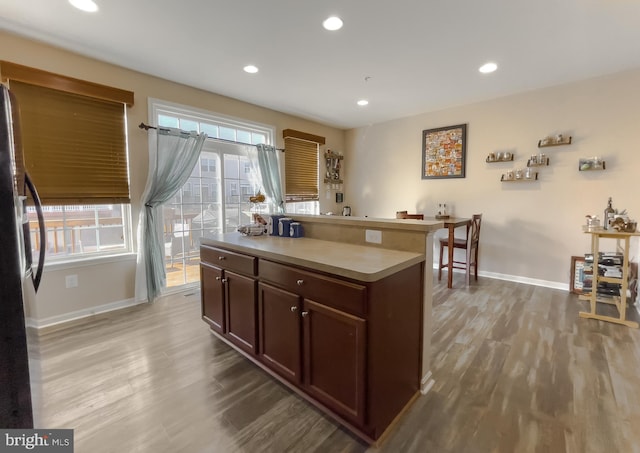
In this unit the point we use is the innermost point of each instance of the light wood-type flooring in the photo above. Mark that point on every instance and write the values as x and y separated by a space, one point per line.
515 370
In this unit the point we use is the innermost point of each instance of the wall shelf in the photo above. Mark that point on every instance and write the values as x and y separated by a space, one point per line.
591 165
546 142
538 164
333 174
499 159
523 179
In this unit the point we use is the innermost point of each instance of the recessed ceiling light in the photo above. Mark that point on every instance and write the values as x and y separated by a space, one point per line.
251 69
363 102
332 23
488 68
85 5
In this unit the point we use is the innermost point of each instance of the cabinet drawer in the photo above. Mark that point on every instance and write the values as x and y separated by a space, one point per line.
229 260
330 291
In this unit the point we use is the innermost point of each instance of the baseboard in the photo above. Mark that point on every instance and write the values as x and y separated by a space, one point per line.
52 323
516 279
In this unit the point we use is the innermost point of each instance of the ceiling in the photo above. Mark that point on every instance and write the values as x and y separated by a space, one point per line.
405 56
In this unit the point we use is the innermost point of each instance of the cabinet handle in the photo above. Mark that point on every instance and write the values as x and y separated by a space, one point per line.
293 308
304 313
300 282
224 280
220 258
218 278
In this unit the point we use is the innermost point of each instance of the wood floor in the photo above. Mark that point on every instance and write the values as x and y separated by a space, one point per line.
515 370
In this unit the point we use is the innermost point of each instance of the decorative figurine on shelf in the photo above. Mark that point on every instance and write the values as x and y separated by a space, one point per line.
609 213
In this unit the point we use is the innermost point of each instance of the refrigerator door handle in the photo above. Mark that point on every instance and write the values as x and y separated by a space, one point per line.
42 230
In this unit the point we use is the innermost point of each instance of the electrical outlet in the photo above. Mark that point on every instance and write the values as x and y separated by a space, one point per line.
373 236
71 281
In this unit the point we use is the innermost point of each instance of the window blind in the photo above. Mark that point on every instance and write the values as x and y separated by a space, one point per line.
75 147
301 165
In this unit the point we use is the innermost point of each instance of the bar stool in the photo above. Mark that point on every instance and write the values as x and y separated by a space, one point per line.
470 244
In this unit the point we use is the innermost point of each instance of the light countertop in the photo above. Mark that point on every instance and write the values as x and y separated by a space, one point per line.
367 264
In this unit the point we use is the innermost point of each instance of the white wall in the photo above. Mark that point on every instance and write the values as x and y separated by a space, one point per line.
529 230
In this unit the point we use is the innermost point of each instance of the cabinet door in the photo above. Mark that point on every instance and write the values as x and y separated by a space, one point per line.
279 331
241 310
334 359
212 297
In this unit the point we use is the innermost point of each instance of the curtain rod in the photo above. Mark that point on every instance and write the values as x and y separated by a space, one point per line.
146 127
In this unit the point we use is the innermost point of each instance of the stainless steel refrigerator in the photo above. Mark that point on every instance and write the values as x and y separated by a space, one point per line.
19 386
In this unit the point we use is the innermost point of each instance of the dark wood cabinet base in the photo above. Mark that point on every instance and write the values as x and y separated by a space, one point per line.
350 348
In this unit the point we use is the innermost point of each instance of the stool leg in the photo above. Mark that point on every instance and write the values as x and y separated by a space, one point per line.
475 264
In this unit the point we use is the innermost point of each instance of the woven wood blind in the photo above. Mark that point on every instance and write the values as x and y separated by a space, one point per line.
301 169
73 135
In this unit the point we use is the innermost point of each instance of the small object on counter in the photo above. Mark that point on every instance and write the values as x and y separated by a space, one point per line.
252 229
257 218
273 225
443 211
295 230
283 226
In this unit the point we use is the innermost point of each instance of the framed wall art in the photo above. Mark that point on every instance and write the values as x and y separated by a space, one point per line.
444 152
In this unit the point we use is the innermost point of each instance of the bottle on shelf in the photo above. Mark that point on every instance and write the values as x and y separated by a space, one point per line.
609 214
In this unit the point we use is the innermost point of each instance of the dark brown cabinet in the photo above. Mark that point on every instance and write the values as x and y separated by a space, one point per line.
333 337
212 290
240 292
279 328
334 359
351 348
229 295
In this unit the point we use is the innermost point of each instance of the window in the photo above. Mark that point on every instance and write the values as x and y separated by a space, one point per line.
74 230
215 199
301 165
75 150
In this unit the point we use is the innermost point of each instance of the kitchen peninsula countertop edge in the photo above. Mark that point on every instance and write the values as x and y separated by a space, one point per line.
358 262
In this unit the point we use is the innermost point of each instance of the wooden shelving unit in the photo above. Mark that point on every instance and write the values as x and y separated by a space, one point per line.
619 301
333 167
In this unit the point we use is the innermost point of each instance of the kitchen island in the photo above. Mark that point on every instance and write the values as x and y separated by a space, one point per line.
340 323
